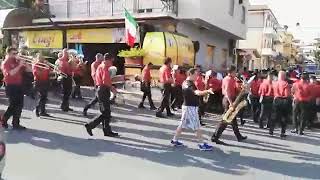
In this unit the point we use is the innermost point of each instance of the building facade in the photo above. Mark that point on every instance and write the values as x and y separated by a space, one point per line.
261 36
213 25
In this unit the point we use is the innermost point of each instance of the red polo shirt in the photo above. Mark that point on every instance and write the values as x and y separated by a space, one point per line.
40 74
179 78
229 87
103 76
246 75
302 91
281 89
215 84
146 74
77 68
165 74
315 91
199 83
255 85
7 65
64 66
266 89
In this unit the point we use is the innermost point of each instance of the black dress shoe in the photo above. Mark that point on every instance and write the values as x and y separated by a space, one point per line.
84 112
18 127
217 141
159 115
283 135
5 125
89 130
294 131
111 134
37 112
45 115
242 138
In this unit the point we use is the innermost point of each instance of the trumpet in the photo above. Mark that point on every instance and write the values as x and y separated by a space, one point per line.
29 60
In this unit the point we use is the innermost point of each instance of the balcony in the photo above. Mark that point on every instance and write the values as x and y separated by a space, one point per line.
270 32
86 9
268 52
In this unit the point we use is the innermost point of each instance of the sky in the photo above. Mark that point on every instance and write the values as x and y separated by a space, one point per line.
289 12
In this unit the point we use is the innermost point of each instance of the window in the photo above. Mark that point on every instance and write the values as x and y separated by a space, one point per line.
231 10
210 55
243 19
240 1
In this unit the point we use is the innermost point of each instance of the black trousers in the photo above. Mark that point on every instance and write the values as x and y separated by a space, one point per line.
313 113
92 102
304 115
202 107
223 125
15 96
76 89
146 89
255 107
282 111
42 88
176 96
295 115
266 111
67 89
103 95
28 87
214 102
165 100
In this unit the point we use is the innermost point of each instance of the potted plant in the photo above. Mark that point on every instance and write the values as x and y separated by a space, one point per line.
134 56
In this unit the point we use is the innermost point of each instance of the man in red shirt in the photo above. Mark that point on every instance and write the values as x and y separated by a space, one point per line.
266 100
77 68
65 68
216 98
281 104
201 86
179 77
166 81
41 83
94 67
12 69
229 90
104 87
245 73
254 97
302 94
315 91
146 86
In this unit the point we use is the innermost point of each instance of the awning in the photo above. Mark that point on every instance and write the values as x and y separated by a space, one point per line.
3 15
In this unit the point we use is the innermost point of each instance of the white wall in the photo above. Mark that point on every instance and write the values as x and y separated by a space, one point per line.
206 38
216 12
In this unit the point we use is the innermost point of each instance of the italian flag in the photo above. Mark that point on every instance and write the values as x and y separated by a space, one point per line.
131 29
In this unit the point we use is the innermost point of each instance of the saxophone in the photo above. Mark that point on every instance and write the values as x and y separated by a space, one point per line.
239 103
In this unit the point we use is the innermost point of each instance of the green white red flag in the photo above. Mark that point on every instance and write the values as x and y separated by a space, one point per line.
131 29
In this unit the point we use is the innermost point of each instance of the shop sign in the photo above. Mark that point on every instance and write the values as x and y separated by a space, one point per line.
42 39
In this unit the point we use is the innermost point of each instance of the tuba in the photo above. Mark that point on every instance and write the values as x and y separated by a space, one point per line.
239 103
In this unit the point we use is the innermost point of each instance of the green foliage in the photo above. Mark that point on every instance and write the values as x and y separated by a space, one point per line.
133 52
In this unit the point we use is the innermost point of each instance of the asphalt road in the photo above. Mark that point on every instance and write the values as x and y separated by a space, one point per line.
58 148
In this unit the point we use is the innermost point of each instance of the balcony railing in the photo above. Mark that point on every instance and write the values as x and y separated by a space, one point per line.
104 8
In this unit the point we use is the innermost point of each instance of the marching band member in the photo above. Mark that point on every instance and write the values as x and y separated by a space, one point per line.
146 86
302 95
254 97
315 89
266 100
281 103
94 67
64 67
77 68
189 118
104 87
229 90
179 77
13 69
165 81
201 86
215 84
41 83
